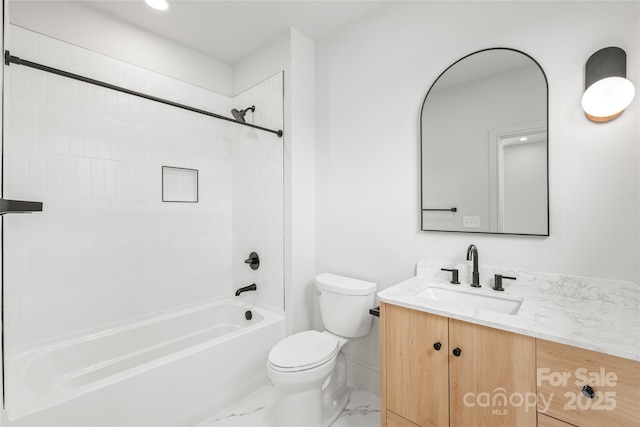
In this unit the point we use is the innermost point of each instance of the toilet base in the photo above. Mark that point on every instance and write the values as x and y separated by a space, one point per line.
316 406
332 409
335 394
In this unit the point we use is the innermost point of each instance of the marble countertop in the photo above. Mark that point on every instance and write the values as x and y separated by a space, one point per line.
595 314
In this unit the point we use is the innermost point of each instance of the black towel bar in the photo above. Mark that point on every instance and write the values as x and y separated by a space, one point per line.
19 206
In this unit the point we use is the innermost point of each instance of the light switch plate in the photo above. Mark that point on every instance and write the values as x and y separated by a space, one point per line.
471 221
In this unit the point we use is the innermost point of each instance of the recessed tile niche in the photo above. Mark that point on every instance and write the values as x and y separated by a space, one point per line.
179 185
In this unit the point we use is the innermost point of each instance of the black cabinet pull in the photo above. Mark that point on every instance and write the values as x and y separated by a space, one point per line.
457 352
588 391
437 346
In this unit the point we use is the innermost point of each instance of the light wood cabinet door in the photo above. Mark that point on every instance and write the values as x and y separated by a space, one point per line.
493 380
564 370
415 374
395 420
545 421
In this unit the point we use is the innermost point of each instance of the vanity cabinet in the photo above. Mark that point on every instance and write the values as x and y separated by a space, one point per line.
395 420
493 379
438 372
546 421
417 377
611 385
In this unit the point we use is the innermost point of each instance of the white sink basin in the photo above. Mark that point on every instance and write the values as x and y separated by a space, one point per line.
475 298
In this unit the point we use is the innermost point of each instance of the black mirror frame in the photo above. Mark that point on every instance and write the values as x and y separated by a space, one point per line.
421 138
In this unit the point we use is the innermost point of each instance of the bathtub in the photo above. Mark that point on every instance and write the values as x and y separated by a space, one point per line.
167 370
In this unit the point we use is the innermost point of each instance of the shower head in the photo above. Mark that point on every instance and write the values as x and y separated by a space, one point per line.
239 115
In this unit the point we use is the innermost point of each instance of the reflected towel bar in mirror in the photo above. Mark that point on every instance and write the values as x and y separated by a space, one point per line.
441 210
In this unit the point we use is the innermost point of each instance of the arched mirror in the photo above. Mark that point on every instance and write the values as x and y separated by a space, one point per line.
484 146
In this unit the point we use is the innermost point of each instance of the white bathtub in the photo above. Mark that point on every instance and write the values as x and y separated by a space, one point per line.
166 370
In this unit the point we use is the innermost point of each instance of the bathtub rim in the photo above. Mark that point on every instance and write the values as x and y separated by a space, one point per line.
19 362
95 332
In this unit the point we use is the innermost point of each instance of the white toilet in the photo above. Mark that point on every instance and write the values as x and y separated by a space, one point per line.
307 368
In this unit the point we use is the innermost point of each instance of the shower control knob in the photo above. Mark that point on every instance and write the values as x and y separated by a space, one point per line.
437 346
457 352
253 261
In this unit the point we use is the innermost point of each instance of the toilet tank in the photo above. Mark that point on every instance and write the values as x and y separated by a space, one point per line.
344 304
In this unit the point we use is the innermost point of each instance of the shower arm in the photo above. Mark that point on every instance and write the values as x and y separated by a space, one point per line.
10 59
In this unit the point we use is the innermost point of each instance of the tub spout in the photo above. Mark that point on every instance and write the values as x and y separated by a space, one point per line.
251 287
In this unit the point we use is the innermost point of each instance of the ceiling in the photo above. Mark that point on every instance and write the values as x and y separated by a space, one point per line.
229 30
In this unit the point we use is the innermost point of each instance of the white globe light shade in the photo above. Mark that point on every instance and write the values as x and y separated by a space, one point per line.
158 4
608 96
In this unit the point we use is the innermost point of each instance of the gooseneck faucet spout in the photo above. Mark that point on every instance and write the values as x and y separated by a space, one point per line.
251 287
472 253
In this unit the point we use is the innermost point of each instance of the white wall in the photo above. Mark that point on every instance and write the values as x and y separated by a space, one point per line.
372 77
272 58
105 247
258 199
293 53
82 25
5 27
302 255
76 23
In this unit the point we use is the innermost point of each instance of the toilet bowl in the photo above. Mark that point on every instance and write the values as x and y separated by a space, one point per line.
298 366
307 368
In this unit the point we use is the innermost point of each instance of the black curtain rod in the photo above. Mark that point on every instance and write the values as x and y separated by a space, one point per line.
10 59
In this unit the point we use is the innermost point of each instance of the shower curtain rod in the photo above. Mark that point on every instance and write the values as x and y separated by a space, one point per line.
10 59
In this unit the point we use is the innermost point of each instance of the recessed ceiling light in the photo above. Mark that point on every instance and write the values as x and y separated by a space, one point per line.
524 138
158 4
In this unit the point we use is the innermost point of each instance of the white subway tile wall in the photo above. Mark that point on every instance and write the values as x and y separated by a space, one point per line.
105 248
179 184
258 188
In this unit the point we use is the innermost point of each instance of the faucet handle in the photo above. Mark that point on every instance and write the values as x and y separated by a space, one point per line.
454 275
497 285
253 261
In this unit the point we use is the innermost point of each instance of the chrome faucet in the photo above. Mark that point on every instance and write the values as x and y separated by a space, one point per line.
472 252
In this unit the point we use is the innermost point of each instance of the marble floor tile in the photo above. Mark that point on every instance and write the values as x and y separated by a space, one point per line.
363 410
253 410
257 410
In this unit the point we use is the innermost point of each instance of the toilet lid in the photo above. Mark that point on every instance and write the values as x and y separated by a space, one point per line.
304 350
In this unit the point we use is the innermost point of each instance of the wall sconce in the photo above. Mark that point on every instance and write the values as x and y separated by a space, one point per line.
158 4
607 91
